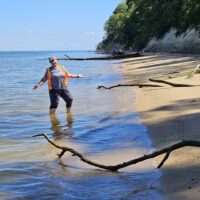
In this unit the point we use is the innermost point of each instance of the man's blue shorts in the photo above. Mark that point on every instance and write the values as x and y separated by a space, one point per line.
55 94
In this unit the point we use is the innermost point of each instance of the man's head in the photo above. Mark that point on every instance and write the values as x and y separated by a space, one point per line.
52 58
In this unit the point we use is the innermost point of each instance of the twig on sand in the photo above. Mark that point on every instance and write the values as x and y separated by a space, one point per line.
170 83
148 85
166 151
128 85
196 70
187 73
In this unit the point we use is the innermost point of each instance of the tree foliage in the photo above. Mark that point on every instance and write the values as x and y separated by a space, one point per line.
134 22
114 33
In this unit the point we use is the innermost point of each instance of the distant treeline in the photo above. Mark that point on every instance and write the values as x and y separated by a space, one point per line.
135 22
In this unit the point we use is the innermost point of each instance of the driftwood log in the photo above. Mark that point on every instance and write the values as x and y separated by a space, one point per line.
113 57
165 151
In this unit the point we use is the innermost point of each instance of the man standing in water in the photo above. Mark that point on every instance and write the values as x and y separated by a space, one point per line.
57 76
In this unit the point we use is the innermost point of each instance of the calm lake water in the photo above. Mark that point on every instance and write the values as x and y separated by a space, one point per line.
105 128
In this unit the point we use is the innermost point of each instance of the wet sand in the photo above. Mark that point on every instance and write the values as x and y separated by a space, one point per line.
171 114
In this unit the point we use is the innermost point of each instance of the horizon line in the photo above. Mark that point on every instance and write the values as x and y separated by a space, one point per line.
46 50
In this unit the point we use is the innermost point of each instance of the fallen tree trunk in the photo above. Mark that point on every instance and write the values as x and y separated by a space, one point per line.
128 55
166 151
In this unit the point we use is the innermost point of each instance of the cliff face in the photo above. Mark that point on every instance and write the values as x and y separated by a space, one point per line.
188 42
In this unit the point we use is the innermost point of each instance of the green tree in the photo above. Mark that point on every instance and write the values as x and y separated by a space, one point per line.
114 33
135 22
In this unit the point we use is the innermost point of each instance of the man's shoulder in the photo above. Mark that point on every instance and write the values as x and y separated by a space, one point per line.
49 68
62 67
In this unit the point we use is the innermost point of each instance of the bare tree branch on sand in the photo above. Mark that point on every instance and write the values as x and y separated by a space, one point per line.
167 151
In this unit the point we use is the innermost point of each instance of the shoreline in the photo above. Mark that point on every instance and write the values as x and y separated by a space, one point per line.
171 114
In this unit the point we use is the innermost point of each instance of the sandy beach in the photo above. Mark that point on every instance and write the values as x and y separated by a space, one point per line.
171 114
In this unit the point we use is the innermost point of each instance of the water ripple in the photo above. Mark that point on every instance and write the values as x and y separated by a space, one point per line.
104 127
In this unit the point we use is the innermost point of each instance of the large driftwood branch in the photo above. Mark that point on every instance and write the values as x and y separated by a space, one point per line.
171 84
166 151
128 55
128 85
113 57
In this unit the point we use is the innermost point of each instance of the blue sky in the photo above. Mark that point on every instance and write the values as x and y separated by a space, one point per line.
53 24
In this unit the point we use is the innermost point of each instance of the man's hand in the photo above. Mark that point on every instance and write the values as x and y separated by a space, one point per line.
80 76
36 87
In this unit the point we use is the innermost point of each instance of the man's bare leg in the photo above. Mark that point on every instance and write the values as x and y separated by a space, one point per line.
69 116
69 109
55 123
52 110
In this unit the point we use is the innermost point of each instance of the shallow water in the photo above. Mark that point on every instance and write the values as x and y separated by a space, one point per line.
105 128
